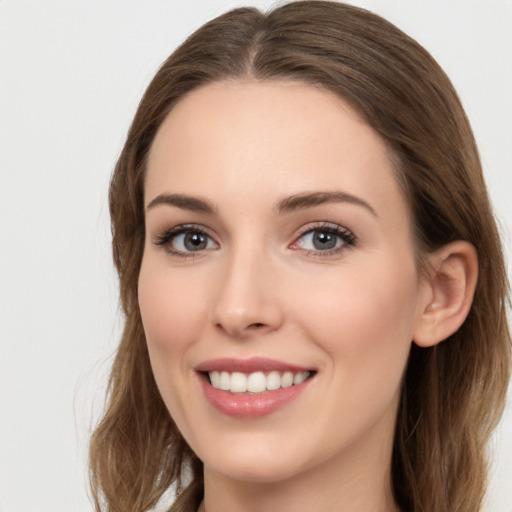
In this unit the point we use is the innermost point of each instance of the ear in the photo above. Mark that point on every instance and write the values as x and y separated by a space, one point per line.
450 285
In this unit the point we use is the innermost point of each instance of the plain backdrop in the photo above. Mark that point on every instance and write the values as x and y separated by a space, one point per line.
71 75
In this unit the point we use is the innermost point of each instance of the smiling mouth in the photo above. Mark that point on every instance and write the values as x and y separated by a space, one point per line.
254 387
256 382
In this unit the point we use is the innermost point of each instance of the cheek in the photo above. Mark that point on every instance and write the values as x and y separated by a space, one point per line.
173 314
365 320
166 306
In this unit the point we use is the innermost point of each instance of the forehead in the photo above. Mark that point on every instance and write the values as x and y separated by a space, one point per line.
268 139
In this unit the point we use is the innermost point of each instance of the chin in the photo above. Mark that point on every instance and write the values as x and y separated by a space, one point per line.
260 471
244 458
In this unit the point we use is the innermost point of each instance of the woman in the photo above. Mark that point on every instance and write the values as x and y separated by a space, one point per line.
312 279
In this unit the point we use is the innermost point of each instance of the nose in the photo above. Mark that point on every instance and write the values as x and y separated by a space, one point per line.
247 301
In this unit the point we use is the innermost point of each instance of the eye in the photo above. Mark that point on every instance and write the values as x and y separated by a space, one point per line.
186 240
326 238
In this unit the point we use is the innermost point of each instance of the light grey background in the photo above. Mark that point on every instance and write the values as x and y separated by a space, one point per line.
71 74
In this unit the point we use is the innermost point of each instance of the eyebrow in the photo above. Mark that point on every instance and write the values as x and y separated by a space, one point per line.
288 204
311 199
184 202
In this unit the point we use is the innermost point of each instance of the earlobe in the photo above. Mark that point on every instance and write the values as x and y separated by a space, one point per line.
451 283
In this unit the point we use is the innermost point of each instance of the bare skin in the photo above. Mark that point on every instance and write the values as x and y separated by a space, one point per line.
276 229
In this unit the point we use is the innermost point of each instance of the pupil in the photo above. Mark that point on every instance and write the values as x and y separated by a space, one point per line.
323 240
195 241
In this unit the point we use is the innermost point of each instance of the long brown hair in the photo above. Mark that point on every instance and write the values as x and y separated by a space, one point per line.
453 394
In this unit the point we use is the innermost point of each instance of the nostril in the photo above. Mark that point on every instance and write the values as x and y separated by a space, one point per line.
256 325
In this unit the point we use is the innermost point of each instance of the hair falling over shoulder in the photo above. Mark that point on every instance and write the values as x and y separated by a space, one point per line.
453 394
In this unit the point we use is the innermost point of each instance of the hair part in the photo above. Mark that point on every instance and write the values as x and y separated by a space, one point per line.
453 394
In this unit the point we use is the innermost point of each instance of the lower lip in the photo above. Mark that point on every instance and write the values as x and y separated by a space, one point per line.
251 406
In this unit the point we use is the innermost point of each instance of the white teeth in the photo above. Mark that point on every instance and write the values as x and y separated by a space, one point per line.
225 381
215 378
238 382
287 380
299 378
256 382
273 381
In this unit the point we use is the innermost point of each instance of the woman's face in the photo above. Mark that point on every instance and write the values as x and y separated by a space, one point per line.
278 250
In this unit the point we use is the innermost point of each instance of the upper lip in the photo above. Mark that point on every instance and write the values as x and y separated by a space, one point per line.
251 365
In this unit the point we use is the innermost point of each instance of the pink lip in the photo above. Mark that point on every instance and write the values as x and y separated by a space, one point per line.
245 405
253 364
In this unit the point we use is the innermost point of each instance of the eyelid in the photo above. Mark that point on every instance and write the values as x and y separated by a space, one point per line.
165 238
347 237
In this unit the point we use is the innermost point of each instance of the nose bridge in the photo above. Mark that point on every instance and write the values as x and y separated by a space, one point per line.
246 300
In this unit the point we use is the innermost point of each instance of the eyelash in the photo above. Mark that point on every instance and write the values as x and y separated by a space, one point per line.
346 237
167 237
